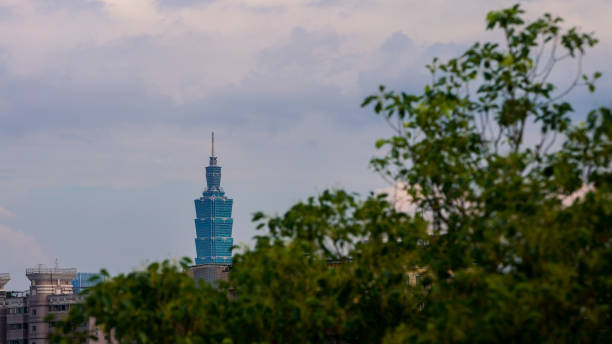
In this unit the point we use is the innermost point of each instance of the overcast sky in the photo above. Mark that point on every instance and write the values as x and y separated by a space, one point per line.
106 109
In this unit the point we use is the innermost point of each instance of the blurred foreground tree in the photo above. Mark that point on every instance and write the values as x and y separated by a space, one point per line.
510 233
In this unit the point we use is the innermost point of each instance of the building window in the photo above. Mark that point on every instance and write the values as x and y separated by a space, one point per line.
33 328
33 312
18 310
59 308
17 326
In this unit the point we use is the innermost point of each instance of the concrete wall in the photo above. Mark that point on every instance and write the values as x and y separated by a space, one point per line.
210 273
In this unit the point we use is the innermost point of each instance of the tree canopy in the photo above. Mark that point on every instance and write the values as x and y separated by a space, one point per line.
509 234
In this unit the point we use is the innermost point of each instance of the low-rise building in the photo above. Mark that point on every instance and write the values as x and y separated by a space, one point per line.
23 315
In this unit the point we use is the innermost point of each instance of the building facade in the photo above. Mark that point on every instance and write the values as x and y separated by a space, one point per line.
4 279
213 218
23 314
210 273
83 280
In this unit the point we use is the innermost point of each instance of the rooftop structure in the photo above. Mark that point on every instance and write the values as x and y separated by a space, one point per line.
50 280
213 218
4 279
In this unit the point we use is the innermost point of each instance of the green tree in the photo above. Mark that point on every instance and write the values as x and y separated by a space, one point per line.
160 304
511 237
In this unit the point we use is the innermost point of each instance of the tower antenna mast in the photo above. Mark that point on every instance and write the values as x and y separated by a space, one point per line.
213 144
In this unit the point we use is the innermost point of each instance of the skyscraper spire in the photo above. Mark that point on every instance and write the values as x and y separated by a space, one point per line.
213 157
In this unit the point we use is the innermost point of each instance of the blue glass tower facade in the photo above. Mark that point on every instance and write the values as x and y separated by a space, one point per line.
213 219
83 281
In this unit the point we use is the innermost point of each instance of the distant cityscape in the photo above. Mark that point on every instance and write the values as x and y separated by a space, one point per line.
53 291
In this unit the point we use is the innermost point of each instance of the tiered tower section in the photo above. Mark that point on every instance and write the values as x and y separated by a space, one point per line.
213 218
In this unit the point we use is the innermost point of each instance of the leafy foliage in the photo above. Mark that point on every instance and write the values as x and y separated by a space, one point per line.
158 305
510 238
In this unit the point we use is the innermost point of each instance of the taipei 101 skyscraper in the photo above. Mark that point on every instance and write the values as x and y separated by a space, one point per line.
213 218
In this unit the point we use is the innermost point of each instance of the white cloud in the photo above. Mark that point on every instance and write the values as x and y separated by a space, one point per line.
187 53
577 196
399 198
5 212
19 250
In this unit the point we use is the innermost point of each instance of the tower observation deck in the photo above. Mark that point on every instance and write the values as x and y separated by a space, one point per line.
213 218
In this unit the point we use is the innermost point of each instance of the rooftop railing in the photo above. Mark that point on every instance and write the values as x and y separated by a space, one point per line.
41 270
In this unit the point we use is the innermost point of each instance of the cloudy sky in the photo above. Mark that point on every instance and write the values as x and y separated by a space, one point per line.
106 109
